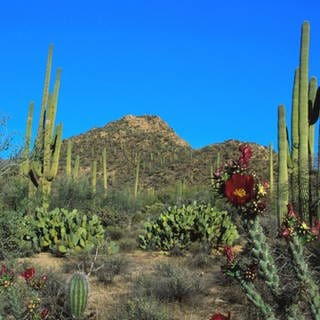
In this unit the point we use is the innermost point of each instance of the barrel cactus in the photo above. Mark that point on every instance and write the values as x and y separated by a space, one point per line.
78 288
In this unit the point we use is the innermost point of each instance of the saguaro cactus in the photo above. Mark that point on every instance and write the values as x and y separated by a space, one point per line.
303 169
104 168
313 86
294 179
271 173
304 115
283 187
69 157
41 165
137 172
94 176
78 288
76 167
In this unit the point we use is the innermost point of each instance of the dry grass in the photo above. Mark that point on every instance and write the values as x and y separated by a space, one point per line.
221 294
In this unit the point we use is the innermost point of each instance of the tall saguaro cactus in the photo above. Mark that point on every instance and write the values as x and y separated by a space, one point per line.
41 165
294 181
303 168
283 187
312 92
304 115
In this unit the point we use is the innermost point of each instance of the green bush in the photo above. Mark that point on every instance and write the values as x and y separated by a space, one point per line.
128 244
72 194
14 195
13 230
180 226
61 231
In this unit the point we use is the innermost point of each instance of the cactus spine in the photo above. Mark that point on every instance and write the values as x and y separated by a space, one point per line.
78 294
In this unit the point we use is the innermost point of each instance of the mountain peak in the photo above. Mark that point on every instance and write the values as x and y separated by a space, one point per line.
148 125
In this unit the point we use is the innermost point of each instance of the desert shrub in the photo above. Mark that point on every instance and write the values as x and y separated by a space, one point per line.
141 308
14 195
54 295
153 210
72 194
30 293
11 301
176 252
114 232
171 283
110 266
13 235
110 216
128 244
180 226
60 230
201 260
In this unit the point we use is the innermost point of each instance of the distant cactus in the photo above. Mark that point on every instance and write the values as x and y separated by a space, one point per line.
104 168
78 288
137 170
94 176
69 156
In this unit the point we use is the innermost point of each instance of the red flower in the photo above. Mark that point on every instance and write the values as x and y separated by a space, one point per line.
239 189
286 232
44 313
229 254
291 213
28 273
3 269
246 153
219 316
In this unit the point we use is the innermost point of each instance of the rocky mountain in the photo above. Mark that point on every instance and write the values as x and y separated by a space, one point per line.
165 159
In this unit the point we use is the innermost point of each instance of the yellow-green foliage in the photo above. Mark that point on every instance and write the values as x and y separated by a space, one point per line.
180 226
61 231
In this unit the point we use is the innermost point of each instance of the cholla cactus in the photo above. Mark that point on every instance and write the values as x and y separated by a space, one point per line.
242 189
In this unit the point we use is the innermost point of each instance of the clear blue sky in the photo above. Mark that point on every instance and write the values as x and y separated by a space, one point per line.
213 70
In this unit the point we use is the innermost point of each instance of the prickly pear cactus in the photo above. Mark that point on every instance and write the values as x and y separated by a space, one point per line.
179 226
61 231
